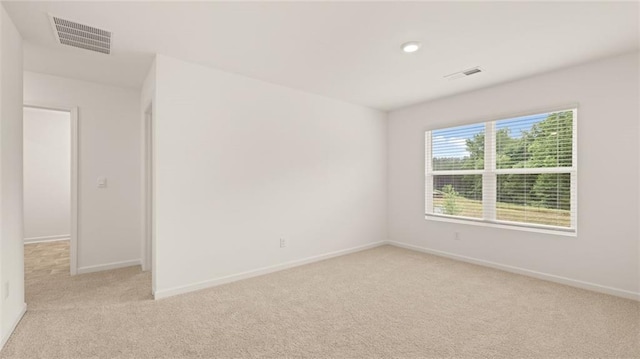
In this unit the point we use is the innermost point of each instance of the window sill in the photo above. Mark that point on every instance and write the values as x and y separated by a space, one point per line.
502 225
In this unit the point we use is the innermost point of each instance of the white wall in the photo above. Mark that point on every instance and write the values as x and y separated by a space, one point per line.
241 163
110 224
12 304
605 252
47 174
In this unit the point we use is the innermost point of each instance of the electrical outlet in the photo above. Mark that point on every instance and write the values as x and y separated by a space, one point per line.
6 290
283 243
456 236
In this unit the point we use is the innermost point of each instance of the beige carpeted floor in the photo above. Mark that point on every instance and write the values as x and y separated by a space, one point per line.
384 302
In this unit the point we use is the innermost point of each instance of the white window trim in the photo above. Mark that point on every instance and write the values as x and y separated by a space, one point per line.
489 181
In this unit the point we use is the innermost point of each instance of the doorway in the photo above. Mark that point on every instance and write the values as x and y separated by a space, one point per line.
50 153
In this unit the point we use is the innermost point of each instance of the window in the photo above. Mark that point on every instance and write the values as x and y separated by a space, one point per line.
519 171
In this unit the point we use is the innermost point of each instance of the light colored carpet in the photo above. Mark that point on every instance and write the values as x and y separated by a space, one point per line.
383 302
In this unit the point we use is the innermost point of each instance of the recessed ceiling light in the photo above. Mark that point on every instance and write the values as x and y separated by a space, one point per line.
411 46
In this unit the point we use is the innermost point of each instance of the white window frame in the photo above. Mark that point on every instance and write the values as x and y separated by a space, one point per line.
489 180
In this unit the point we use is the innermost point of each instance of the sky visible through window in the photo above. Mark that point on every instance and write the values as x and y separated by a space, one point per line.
452 142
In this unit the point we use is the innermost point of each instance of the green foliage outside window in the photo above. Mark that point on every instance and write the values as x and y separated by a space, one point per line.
450 205
547 143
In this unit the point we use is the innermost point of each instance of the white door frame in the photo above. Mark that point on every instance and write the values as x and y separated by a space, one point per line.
75 171
147 243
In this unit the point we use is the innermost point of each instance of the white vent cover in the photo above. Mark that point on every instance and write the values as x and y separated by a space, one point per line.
464 73
82 36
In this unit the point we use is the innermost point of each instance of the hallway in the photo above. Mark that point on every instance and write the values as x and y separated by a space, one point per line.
49 285
60 308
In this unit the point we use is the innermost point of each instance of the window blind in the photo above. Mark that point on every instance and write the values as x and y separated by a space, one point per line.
457 163
519 171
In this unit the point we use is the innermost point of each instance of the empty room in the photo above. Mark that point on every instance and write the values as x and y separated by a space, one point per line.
317 179
47 192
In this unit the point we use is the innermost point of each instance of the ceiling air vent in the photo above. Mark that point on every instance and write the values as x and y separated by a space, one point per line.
465 73
81 36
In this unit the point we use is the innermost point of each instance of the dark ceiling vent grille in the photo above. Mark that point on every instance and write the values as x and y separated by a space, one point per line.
81 36
464 73
471 72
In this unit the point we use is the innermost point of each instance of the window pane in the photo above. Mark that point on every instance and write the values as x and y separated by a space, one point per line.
536 141
535 198
458 195
458 148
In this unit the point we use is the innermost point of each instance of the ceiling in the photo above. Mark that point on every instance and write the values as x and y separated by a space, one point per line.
347 51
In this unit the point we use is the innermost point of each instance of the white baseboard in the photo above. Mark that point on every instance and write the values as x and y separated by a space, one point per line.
16 321
164 293
108 266
60 237
530 273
